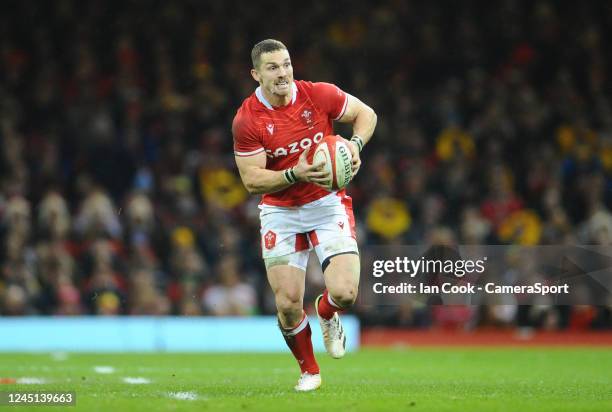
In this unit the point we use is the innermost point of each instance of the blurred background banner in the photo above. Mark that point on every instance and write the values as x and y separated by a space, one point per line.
119 194
154 334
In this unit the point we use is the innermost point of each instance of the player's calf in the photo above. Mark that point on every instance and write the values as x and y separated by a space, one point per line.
299 341
287 283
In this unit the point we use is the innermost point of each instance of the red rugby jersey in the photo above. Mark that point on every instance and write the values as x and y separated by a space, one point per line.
284 132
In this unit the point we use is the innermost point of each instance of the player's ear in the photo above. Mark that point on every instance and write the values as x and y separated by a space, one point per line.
255 75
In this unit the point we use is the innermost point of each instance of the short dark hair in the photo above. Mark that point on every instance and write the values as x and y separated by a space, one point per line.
265 46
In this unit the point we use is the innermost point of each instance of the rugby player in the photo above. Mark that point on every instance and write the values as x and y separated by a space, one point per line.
274 130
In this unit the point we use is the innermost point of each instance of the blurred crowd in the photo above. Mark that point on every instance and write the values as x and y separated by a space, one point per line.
118 190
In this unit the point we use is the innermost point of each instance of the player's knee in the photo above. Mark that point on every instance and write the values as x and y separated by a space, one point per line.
345 296
289 303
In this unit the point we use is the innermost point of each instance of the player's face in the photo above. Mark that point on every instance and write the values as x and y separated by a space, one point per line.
275 73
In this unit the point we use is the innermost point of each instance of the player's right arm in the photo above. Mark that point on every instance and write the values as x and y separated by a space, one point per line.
250 158
259 180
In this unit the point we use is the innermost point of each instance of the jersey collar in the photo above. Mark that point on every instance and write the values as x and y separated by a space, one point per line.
262 98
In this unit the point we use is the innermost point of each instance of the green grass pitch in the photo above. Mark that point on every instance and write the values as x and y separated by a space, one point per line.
446 379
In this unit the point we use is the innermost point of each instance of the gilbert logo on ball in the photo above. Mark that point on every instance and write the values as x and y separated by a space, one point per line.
334 152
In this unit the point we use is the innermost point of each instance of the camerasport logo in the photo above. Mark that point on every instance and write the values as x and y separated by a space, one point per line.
270 239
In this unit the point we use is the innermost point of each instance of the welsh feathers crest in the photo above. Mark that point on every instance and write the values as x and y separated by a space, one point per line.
307 115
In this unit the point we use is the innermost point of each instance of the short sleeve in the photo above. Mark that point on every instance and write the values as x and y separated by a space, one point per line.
246 138
330 98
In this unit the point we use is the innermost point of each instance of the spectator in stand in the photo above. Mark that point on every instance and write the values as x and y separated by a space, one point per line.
231 296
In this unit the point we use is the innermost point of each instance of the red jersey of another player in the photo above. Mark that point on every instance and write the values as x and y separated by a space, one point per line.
283 133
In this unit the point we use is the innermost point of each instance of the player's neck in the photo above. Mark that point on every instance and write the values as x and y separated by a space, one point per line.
276 100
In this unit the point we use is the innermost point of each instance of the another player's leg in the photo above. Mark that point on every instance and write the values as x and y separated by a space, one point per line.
342 281
287 283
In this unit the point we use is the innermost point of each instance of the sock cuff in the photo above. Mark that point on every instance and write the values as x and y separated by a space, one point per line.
300 327
331 301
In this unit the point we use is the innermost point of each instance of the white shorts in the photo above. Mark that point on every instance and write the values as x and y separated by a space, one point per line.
289 233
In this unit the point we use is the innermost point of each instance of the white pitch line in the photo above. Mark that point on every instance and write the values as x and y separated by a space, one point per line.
104 370
136 381
30 381
183 396
59 356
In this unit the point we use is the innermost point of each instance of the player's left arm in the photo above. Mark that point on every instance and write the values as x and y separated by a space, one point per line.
364 120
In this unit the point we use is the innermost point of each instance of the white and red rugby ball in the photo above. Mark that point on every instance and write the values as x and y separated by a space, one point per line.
333 150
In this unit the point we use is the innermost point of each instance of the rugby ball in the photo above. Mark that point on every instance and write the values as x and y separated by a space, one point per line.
337 158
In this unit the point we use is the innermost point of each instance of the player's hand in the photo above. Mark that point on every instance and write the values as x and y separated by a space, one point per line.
311 172
355 155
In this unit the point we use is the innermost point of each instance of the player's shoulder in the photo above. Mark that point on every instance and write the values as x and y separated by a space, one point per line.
317 89
313 86
246 120
303 84
247 107
246 115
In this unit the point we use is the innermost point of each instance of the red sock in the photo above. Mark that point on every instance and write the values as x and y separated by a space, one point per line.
327 306
298 340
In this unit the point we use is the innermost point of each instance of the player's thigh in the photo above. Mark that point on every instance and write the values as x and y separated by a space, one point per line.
339 257
342 276
332 234
285 253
